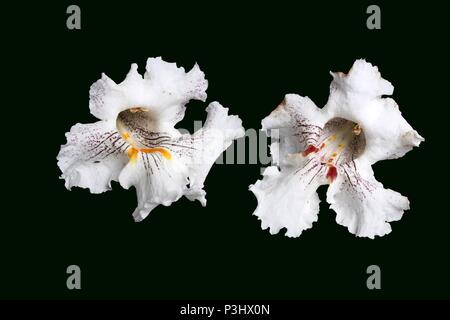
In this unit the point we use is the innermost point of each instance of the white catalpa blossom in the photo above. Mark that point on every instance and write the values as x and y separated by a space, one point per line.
135 142
335 145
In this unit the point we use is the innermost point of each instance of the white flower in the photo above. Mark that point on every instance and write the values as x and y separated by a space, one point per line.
335 145
135 141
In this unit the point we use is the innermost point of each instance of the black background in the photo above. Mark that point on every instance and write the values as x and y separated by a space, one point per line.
252 55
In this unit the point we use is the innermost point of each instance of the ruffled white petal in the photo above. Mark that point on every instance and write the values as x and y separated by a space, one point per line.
175 83
363 79
357 97
159 180
106 98
216 136
92 157
298 122
388 135
164 90
288 198
362 204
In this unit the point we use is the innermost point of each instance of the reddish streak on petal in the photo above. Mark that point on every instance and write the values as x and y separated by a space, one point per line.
332 173
309 150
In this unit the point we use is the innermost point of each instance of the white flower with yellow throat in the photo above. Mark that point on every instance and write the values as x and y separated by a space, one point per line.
135 141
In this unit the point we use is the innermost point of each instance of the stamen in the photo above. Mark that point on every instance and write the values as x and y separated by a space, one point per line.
357 129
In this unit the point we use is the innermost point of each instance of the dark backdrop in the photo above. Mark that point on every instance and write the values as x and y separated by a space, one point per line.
252 55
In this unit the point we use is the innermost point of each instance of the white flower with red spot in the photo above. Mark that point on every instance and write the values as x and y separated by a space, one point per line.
335 145
135 142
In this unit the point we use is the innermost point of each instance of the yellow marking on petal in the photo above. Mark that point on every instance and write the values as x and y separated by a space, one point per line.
125 135
334 154
132 154
340 145
164 152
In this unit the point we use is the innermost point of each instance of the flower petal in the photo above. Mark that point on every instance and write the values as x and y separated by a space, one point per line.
106 98
157 180
361 203
164 90
299 122
357 97
288 198
209 142
363 79
388 134
92 157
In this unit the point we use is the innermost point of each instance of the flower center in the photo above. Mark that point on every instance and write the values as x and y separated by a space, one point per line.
341 142
135 127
